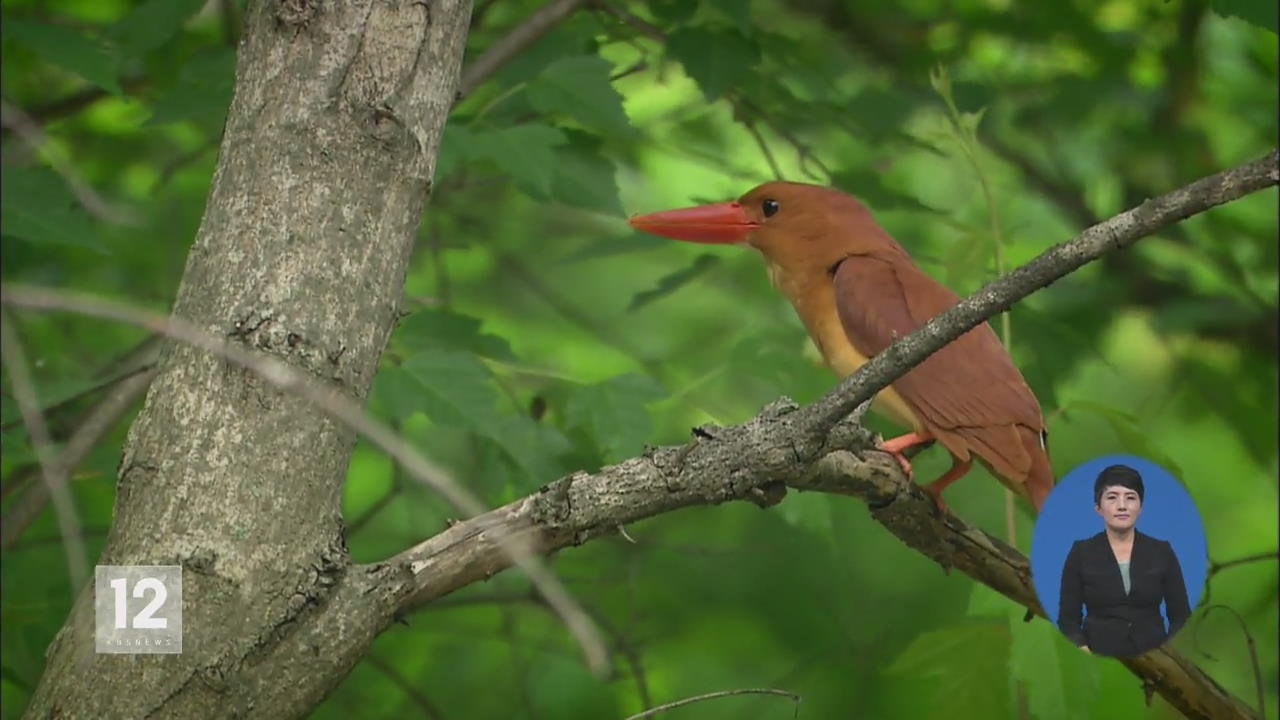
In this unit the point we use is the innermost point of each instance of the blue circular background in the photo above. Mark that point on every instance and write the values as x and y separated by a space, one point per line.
1168 513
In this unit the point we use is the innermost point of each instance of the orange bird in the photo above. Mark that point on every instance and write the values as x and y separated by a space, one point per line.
856 291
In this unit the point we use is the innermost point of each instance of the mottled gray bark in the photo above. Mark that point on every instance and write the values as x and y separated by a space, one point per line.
325 167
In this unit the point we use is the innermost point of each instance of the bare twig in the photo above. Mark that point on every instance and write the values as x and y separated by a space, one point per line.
97 423
29 131
764 148
429 708
392 492
655 711
64 504
71 104
82 394
1253 651
514 43
340 408
1217 567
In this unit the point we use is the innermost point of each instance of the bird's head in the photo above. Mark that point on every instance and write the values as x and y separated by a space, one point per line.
797 227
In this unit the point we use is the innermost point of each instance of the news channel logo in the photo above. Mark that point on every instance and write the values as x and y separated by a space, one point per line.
138 609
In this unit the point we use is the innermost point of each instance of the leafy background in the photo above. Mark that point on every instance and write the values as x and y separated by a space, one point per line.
546 337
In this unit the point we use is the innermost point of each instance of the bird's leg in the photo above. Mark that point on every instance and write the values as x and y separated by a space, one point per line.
958 469
898 445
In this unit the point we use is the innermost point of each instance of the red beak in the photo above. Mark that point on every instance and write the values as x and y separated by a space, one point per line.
722 223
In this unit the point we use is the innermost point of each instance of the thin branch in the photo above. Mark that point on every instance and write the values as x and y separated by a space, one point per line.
429 708
812 448
655 711
515 42
1055 263
764 149
1253 652
327 399
15 362
392 492
785 444
82 394
30 133
97 423
79 100
1217 567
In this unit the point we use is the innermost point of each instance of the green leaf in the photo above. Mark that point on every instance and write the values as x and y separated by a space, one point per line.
584 178
1061 680
580 88
673 282
571 38
1131 436
454 146
718 60
674 12
439 329
36 206
964 669
454 389
534 447
68 49
526 152
1261 13
202 93
613 413
869 187
152 23
737 11
396 395
595 249
966 261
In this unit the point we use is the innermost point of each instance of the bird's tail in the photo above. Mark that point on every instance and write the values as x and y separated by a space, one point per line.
1039 482
1015 454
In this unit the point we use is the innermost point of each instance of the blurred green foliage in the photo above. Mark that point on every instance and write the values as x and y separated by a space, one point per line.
545 337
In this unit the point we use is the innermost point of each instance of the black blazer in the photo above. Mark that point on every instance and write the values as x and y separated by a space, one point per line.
1118 624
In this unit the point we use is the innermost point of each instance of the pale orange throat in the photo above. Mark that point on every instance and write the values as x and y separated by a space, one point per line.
814 300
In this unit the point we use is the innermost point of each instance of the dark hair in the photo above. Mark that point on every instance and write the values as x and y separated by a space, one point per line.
1121 475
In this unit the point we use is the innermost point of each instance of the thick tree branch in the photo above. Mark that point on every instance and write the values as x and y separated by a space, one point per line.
785 445
820 447
339 407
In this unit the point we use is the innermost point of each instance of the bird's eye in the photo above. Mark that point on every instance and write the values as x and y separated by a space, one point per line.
770 207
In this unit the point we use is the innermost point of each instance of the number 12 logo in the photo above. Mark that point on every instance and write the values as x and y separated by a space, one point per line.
143 620
137 609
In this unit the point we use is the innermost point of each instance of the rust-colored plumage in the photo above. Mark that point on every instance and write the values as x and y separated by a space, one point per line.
856 291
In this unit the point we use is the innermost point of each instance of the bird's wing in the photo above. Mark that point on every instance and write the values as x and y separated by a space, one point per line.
969 394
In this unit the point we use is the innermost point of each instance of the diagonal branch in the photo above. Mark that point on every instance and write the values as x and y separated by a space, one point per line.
514 43
15 362
785 445
812 448
97 423
337 406
1055 263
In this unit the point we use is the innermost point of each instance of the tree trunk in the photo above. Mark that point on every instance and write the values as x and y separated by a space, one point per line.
325 166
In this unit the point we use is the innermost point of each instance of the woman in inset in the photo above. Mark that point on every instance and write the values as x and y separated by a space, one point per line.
1120 577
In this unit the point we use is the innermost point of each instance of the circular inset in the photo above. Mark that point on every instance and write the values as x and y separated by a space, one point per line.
1118 556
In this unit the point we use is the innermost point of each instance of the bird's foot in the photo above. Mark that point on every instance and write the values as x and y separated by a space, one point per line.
934 489
903 462
898 446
